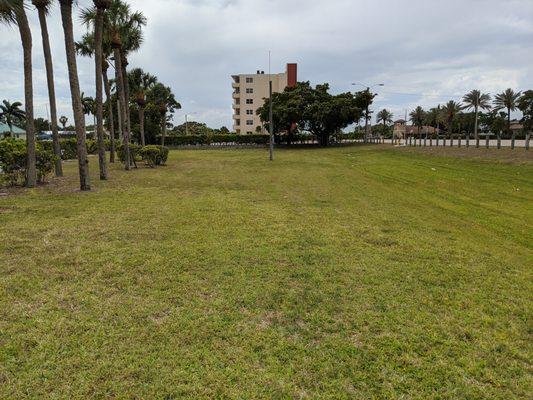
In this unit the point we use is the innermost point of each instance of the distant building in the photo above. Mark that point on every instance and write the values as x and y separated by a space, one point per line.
18 133
249 92
401 129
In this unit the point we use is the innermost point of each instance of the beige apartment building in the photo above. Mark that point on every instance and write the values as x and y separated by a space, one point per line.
249 92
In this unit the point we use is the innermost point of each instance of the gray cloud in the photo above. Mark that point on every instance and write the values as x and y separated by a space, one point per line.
425 51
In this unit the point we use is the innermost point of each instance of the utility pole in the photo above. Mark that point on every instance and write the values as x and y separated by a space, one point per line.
270 112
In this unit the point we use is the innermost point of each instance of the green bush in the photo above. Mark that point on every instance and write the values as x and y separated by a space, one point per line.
163 155
134 152
13 161
150 154
154 155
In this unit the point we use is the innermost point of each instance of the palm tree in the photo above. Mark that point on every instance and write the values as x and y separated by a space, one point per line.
124 27
101 7
43 7
417 117
385 117
525 104
507 100
13 11
450 111
117 43
79 119
141 82
88 105
85 47
476 100
63 120
434 118
11 112
163 98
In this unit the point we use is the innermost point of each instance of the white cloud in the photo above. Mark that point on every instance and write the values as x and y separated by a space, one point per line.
426 50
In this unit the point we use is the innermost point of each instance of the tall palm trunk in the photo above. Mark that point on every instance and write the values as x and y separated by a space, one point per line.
51 89
119 116
122 103
107 88
476 133
98 57
499 140
141 124
164 132
528 136
127 121
25 37
79 117
509 128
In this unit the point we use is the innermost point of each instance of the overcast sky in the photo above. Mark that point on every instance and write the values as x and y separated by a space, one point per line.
424 51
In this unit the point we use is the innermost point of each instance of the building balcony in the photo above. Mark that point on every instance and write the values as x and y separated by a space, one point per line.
236 95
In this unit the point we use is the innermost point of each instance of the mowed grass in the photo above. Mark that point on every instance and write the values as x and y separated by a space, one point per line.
341 273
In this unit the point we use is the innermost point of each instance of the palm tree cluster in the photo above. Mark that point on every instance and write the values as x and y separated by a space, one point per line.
452 117
114 32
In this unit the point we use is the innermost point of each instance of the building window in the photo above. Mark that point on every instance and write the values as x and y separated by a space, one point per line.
249 122
249 80
249 133
237 101
249 101
249 112
249 90
237 131
237 122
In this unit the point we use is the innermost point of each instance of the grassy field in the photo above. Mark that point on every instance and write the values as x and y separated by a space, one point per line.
341 273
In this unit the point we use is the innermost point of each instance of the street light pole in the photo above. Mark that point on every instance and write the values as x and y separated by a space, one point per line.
270 111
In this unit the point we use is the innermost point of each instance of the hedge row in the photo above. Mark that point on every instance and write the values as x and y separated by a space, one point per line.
234 139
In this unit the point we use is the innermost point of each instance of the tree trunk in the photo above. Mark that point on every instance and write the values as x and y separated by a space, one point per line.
51 90
111 117
528 136
499 140
122 102
79 118
509 127
366 125
476 133
141 124
164 129
487 139
127 121
25 37
98 57
119 117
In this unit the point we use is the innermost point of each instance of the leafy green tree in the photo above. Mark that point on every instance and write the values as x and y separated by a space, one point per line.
507 100
325 114
525 104
475 100
43 8
11 113
287 109
14 12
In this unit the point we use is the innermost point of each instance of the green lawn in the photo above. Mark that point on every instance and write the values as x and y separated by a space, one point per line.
341 273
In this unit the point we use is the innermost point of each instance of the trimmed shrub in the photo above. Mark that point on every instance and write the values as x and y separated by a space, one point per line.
154 155
13 161
150 155
163 155
134 152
